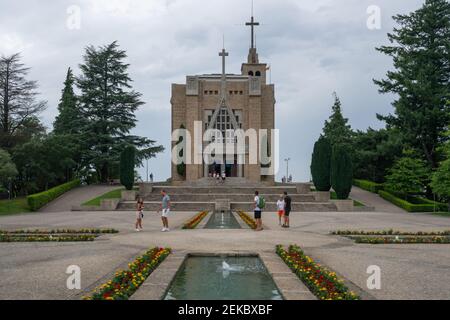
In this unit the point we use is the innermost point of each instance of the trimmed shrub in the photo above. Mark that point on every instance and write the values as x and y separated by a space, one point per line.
422 205
127 162
368 185
38 200
321 165
341 171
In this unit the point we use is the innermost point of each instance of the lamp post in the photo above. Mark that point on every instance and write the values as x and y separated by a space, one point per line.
147 169
287 168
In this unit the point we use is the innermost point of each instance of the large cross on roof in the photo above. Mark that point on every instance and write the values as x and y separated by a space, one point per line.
223 96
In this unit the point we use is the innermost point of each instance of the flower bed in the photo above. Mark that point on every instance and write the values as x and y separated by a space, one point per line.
247 219
323 283
193 223
61 231
125 283
46 238
389 232
401 240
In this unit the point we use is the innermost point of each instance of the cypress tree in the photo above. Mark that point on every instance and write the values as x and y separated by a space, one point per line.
321 164
127 162
341 171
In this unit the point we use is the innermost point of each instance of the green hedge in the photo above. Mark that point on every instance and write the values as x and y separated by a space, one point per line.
408 206
38 200
368 185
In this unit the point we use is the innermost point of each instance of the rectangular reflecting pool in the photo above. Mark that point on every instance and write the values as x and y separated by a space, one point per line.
222 220
223 278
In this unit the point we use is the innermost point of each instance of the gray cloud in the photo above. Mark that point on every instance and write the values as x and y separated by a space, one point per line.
314 47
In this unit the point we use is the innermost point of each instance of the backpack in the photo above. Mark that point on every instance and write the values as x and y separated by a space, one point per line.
261 202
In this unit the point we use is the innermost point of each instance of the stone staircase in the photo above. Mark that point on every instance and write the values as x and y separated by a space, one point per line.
207 194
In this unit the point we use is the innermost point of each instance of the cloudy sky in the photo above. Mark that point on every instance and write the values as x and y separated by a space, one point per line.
315 47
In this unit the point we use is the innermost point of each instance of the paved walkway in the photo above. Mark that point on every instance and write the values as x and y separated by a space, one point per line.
411 271
374 200
76 197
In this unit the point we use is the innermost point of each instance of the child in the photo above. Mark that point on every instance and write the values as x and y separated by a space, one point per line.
139 214
280 206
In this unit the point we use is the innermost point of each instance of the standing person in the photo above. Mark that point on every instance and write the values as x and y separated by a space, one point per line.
151 177
224 177
165 210
287 209
280 207
258 212
139 214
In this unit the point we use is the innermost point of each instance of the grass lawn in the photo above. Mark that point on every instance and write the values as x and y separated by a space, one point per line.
115 194
18 205
355 203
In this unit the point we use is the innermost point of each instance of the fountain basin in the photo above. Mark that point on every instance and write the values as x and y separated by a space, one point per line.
223 278
222 220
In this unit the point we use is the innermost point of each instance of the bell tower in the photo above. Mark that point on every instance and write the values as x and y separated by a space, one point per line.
253 68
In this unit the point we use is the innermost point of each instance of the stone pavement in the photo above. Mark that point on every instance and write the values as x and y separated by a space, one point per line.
374 200
76 197
37 270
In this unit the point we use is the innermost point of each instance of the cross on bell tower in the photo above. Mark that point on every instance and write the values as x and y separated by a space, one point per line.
252 25
253 54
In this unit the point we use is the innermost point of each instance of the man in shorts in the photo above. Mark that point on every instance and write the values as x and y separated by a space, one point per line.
287 209
258 212
165 211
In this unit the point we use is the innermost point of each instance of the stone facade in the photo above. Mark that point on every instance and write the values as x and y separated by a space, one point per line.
248 95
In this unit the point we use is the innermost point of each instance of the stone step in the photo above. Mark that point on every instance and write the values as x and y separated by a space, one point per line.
246 206
224 190
232 197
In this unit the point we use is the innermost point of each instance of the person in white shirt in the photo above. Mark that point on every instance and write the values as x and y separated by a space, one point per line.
280 207
257 213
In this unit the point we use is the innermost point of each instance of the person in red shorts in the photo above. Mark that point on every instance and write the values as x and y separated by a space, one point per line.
280 208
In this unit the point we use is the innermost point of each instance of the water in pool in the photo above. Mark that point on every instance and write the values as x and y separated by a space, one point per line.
222 220
223 278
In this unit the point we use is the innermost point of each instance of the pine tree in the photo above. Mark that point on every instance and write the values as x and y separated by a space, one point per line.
69 119
321 165
336 129
109 104
17 99
341 171
421 56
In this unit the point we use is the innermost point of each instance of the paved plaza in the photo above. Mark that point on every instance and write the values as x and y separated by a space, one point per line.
409 271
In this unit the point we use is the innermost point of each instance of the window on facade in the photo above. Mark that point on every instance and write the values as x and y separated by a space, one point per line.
258 73
250 73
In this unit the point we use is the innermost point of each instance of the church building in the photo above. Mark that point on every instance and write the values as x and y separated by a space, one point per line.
226 102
